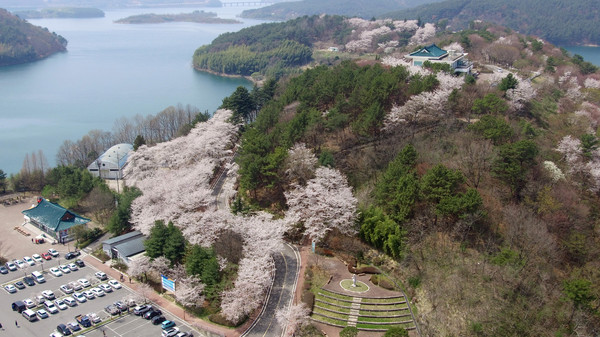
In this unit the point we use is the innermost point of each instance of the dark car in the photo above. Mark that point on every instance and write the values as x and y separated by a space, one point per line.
80 263
28 280
112 309
74 326
72 255
3 270
19 285
158 319
152 313
122 306
142 309
63 329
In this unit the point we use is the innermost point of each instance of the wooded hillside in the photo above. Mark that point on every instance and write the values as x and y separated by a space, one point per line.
560 22
22 42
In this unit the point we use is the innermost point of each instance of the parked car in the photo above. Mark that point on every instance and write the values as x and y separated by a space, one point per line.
66 288
84 283
63 329
79 297
76 285
183 334
84 320
28 280
73 267
112 309
70 301
105 287
29 303
3 270
80 263
74 326
152 313
97 292
170 332
37 258
53 252
115 284
89 295
29 261
94 318
51 307
10 288
42 313
101 275
141 309
48 294
72 255
122 306
64 269
46 256
19 263
20 285
158 320
11 266
60 304
56 272
167 324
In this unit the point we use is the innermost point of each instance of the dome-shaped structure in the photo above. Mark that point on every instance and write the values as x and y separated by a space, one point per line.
111 163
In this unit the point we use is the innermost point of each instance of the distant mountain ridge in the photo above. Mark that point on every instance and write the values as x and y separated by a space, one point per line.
561 22
360 8
22 42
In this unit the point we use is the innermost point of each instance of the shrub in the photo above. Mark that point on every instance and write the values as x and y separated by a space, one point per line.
220 319
396 332
368 270
309 299
383 282
349 331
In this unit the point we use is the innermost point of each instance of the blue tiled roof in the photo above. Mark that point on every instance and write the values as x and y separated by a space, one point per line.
54 216
429 51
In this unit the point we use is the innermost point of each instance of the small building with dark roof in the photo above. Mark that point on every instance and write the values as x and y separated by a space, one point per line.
125 246
435 54
54 219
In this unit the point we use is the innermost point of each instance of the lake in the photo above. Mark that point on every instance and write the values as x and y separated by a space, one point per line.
109 71
591 54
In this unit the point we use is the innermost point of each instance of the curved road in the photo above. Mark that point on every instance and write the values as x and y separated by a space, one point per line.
281 294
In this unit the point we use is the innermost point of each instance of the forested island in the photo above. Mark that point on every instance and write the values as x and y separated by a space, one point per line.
61 13
195 16
22 42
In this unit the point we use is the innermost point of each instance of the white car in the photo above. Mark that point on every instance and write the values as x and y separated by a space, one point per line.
42 313
94 318
19 263
48 294
97 292
115 284
53 252
10 288
72 266
76 285
11 266
67 289
101 276
64 269
79 297
85 283
89 294
56 272
70 301
29 303
29 261
51 307
105 287
60 304
37 258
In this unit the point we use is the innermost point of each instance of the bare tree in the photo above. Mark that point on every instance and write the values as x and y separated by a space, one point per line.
474 159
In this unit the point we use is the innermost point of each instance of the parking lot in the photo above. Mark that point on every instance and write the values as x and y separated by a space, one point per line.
123 325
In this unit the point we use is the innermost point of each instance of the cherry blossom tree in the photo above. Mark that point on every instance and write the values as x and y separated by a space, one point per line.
578 163
300 164
293 318
519 96
591 83
325 203
161 265
140 266
189 292
423 34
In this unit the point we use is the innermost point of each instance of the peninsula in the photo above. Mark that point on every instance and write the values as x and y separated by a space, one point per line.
195 16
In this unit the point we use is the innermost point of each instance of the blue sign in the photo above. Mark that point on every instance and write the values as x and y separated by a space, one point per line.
314 245
167 283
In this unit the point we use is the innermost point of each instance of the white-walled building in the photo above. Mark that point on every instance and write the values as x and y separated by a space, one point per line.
111 163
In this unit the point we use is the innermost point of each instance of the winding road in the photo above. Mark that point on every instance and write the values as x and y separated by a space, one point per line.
281 293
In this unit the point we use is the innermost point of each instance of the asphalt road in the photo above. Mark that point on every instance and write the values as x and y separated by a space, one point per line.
281 294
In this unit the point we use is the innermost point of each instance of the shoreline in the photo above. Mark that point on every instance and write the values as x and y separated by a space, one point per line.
249 78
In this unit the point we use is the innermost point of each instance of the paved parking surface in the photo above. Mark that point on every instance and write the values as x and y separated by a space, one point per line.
127 325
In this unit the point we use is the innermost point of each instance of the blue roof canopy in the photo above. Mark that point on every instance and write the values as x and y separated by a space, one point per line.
54 216
429 51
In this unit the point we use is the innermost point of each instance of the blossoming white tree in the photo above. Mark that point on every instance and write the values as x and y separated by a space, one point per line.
189 291
293 318
325 203
300 164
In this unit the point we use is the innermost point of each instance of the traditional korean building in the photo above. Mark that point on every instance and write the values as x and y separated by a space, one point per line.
54 219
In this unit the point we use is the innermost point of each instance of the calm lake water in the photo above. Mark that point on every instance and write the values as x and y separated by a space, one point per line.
591 54
110 71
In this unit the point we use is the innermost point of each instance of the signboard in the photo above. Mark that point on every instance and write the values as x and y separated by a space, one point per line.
313 245
167 283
